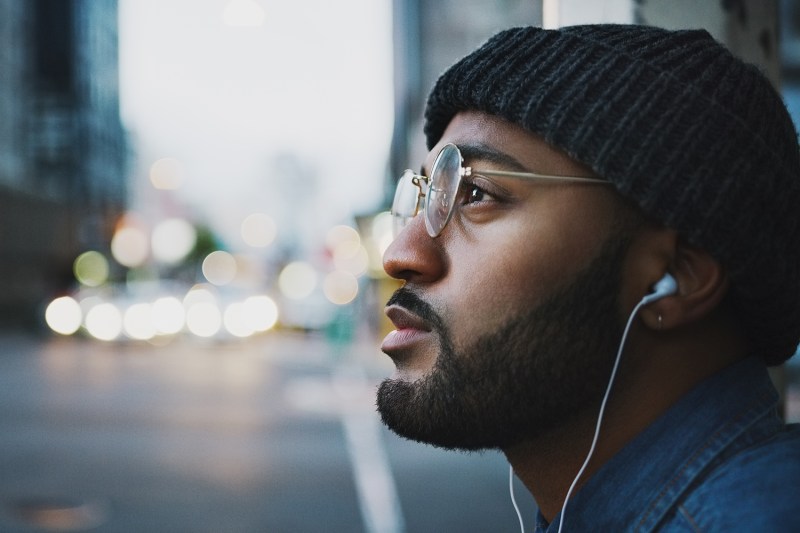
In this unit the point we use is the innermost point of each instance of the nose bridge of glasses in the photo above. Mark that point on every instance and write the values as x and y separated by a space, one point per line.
421 182
408 196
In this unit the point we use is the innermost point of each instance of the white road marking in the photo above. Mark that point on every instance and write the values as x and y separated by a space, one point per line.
380 505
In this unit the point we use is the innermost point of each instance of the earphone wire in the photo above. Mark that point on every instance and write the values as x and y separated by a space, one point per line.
513 499
602 411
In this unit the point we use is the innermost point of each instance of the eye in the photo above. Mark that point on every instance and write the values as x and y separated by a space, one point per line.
473 193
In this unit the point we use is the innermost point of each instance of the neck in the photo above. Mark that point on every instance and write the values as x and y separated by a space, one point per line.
548 464
653 376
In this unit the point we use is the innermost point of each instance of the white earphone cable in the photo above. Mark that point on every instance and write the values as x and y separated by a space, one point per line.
513 499
602 410
596 429
664 287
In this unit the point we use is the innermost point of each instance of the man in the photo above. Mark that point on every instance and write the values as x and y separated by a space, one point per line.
571 171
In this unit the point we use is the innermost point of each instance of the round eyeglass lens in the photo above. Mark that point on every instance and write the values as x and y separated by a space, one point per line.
445 178
404 206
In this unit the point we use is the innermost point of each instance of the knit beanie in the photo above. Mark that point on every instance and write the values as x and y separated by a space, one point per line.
698 139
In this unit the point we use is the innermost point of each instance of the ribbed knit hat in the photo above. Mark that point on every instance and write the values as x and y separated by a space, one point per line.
698 139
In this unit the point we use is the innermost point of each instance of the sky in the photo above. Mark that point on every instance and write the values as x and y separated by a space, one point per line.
292 117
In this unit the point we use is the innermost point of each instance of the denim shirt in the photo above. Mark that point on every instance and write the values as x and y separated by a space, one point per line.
721 459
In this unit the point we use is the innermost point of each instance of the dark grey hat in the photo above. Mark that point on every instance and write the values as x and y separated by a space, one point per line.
700 140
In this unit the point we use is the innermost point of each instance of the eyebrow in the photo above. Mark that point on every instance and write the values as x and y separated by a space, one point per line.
483 152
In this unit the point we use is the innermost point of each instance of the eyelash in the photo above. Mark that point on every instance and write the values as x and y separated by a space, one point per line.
469 188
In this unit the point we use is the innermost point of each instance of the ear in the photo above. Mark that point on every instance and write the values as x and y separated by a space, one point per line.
702 284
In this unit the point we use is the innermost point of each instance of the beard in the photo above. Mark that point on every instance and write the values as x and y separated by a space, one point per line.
537 371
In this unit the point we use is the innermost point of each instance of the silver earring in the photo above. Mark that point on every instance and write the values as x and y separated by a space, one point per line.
660 324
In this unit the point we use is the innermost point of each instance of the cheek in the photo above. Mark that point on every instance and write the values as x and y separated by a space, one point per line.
485 289
506 268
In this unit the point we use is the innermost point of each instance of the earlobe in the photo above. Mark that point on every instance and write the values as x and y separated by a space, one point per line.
701 285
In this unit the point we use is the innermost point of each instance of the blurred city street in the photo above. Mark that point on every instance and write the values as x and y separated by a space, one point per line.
185 187
277 433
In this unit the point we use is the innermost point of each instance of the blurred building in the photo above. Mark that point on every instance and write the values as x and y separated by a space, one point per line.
63 149
429 36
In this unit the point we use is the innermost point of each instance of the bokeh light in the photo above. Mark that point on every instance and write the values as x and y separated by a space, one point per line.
258 230
341 234
204 319
219 268
88 302
104 322
168 316
63 315
340 287
297 280
382 231
173 239
91 268
167 174
260 312
348 253
200 293
130 247
235 320
137 322
351 258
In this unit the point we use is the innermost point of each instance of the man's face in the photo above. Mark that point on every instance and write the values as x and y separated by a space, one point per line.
508 322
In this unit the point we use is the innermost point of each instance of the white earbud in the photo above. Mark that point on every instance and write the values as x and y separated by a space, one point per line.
663 287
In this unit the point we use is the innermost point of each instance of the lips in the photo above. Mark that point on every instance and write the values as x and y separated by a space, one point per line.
410 329
405 319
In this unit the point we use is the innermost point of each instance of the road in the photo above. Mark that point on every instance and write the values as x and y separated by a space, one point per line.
274 434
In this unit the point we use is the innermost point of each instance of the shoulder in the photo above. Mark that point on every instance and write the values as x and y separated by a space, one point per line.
756 489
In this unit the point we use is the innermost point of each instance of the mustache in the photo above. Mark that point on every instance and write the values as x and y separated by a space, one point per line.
406 299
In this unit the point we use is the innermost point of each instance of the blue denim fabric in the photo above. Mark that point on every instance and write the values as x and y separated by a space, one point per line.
721 459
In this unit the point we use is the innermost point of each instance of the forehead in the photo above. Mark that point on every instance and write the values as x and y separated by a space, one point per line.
505 143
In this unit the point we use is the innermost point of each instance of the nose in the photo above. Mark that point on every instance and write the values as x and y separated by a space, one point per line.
414 256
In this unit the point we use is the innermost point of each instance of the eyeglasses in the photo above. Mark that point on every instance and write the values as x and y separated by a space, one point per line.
440 190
